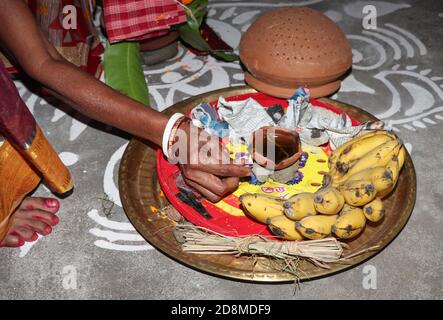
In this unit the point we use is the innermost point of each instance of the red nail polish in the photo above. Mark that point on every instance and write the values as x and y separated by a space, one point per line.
48 230
52 203
20 242
34 237
55 220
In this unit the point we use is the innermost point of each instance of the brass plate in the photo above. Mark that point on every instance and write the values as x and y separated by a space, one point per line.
140 194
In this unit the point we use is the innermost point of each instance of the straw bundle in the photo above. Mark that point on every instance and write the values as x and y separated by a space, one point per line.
319 252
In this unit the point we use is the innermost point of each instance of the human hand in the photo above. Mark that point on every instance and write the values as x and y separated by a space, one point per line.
205 163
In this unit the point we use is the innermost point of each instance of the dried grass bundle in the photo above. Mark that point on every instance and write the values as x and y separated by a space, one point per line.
286 253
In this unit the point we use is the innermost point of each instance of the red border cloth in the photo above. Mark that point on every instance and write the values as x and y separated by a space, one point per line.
141 19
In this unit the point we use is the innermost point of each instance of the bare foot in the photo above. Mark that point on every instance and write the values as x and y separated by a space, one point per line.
33 216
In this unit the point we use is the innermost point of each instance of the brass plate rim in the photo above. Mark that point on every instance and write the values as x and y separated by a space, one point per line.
133 207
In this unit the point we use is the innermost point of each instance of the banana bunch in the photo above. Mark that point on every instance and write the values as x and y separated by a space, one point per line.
367 166
363 171
304 215
270 211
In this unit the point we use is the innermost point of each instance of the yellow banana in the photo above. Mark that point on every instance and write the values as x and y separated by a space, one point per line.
393 168
315 227
337 152
350 222
358 149
328 201
401 157
340 169
362 175
300 206
333 157
358 192
379 156
382 178
374 211
397 162
383 194
284 228
395 165
261 207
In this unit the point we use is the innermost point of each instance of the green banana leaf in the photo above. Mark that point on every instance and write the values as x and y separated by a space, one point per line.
193 38
190 31
124 72
196 12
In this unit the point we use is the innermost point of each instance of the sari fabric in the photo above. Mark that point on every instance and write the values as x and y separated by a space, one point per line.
26 157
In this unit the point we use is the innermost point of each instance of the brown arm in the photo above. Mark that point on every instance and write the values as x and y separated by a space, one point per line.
20 33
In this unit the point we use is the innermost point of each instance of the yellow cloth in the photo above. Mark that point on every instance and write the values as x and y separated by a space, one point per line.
22 170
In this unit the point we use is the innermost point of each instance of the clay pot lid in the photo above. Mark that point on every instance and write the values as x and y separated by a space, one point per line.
295 46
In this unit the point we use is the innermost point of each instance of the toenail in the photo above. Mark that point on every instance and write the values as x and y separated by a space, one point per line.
21 242
55 220
34 237
52 203
48 230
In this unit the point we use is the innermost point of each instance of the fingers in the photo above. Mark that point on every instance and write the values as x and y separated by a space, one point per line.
219 163
206 180
204 192
212 157
210 185
225 170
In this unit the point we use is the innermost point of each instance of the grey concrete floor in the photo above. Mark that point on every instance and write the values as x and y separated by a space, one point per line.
397 75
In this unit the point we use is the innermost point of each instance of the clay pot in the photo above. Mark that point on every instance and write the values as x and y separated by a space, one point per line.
291 47
284 143
152 44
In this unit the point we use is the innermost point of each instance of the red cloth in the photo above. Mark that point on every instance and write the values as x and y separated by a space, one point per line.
141 19
16 121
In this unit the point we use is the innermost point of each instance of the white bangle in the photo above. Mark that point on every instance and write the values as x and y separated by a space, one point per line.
167 132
